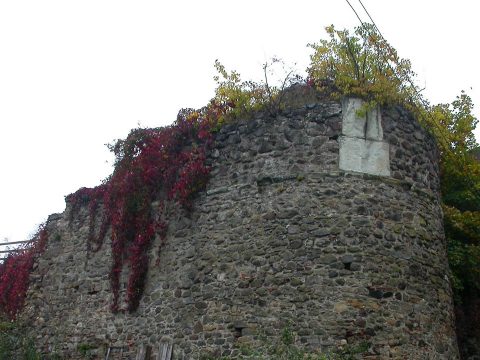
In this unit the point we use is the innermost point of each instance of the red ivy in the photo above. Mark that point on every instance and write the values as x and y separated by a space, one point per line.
166 164
15 274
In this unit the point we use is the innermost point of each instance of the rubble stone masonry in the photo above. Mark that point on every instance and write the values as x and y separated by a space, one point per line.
280 236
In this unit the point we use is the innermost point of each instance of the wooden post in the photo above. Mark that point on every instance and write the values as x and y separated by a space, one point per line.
108 353
165 350
143 352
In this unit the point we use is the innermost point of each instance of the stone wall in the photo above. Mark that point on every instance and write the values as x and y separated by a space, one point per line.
281 235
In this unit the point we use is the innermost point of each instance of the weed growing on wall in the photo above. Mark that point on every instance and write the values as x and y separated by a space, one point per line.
285 348
15 345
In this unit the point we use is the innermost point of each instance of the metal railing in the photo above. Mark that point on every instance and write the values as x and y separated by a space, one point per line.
10 250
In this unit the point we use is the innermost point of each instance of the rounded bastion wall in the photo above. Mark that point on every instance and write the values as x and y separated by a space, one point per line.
281 236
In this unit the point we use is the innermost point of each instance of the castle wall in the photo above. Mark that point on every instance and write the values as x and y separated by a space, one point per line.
280 236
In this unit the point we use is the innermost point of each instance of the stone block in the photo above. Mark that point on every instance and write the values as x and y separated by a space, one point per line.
366 156
368 126
352 124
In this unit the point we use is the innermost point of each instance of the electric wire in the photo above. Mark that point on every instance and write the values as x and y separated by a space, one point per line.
358 17
373 22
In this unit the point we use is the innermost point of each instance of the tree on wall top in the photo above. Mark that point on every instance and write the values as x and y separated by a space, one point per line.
362 65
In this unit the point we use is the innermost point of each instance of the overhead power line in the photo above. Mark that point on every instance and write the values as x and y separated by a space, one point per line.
355 11
373 22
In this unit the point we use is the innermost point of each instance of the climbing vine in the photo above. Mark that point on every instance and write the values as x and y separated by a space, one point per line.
15 274
164 164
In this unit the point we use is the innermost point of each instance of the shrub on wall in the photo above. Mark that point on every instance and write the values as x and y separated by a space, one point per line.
363 65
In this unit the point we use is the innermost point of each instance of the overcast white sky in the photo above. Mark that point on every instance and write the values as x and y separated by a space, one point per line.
75 75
